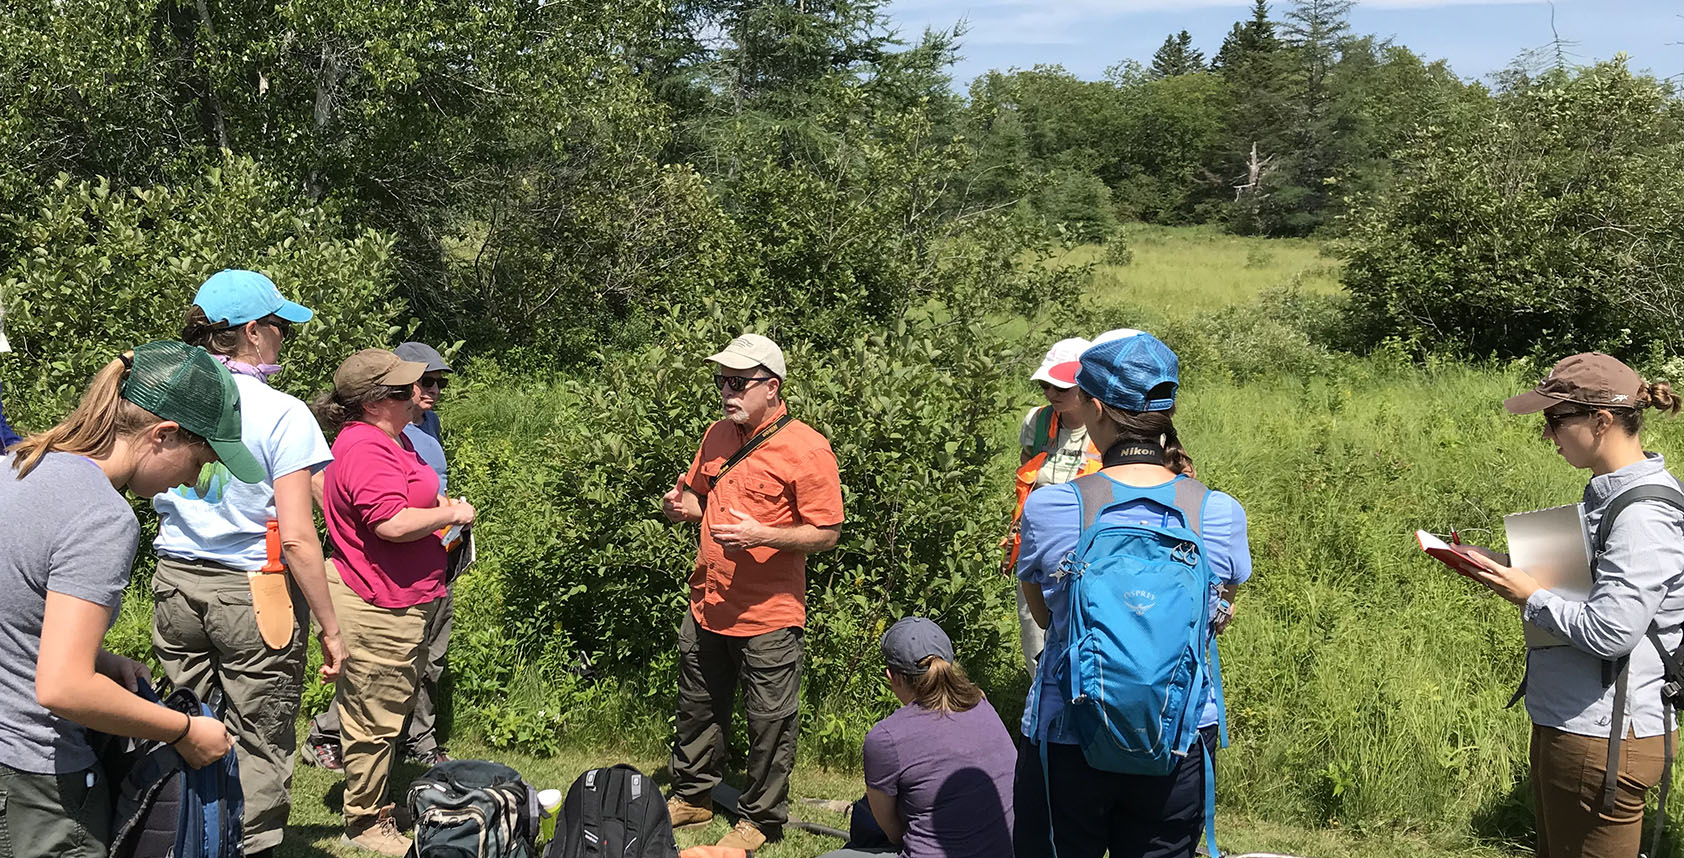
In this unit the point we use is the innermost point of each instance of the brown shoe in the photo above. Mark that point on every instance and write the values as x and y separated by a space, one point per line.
380 835
744 836
684 814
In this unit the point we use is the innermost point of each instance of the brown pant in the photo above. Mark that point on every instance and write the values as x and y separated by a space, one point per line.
710 667
384 649
1567 774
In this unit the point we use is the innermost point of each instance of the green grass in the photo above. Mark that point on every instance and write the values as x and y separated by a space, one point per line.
1186 271
315 827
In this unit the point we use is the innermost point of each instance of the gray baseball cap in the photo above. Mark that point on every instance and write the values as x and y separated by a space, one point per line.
422 353
912 640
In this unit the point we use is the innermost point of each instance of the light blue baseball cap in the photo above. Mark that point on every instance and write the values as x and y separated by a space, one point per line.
237 296
1130 370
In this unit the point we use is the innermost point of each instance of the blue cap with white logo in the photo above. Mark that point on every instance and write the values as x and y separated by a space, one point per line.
237 296
1130 370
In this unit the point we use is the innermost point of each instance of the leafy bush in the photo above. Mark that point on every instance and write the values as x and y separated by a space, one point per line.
1078 203
96 270
1117 249
1552 228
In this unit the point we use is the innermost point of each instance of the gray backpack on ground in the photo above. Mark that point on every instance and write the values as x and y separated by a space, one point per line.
473 809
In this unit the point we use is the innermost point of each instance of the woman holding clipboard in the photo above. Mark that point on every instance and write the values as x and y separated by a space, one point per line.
1596 705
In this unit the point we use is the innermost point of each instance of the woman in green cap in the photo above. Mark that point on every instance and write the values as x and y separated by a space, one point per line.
149 420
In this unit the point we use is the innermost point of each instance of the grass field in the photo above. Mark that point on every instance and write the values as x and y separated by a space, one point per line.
1185 271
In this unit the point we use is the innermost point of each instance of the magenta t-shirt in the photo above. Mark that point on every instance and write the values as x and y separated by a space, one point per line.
373 477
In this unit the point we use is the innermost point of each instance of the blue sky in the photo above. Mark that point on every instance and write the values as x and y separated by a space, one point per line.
1478 37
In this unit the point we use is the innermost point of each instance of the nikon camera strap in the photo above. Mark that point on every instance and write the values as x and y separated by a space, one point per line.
753 444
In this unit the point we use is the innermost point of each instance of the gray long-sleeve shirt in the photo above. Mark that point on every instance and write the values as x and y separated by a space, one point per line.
1639 579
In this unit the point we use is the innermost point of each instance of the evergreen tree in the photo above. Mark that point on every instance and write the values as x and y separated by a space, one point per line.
1177 56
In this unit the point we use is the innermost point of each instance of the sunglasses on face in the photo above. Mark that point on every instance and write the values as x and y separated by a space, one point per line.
740 383
281 326
436 382
1555 421
403 392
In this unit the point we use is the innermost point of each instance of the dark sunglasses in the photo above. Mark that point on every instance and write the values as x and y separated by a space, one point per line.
403 392
739 383
434 381
1556 421
281 325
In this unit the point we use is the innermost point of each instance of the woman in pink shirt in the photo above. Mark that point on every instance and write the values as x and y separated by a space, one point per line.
383 508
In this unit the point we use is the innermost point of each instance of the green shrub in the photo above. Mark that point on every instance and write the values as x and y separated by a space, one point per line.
1552 227
1078 203
98 269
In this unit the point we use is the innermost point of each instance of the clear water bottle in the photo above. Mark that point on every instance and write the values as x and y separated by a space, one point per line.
549 800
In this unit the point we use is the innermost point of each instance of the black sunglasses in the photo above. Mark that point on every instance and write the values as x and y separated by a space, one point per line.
404 392
436 381
281 325
739 383
1556 421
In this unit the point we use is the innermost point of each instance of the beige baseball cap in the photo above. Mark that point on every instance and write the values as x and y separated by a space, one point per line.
1592 379
372 368
749 351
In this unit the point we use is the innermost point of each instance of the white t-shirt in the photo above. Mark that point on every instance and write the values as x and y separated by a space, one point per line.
228 526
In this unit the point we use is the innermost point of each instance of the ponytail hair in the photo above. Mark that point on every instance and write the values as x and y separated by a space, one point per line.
93 428
943 686
1657 395
333 409
1153 427
215 337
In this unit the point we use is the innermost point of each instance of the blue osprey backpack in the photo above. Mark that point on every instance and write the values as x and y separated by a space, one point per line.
1140 654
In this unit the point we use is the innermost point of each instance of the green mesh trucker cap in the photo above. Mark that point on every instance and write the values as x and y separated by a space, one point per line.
184 384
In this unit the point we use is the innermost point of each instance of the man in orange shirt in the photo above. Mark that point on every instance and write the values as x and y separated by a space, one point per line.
766 490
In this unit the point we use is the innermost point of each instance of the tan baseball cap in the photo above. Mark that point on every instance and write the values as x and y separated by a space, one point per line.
371 368
749 351
1592 378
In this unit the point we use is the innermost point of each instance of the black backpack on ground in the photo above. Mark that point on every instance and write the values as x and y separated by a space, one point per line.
473 809
613 812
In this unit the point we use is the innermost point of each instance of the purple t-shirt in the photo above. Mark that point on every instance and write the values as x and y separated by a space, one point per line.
951 778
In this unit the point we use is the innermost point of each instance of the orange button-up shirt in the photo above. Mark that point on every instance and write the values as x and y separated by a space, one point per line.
789 480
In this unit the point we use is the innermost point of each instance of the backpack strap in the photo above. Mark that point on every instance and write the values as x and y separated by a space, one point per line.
1190 498
1210 796
1621 667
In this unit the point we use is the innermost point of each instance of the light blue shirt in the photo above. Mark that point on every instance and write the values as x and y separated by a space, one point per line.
1051 527
427 446
228 525
1639 580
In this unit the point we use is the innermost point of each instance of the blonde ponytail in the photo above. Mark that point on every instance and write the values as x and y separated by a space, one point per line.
93 428
943 686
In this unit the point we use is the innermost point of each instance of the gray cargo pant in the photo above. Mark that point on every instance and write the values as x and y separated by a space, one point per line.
710 667
205 635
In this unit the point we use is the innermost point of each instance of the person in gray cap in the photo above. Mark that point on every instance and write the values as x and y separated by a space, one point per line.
421 742
938 771
766 490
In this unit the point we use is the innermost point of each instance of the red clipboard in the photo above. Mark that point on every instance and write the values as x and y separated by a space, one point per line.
1458 557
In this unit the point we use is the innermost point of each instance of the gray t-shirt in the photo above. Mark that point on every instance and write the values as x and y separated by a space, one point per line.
62 528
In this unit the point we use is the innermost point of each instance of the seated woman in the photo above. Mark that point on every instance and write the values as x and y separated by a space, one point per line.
938 772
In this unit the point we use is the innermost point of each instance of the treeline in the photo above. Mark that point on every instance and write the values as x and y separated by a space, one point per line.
1291 118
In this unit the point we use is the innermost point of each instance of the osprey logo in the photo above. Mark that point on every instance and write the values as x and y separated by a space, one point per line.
1139 601
1620 397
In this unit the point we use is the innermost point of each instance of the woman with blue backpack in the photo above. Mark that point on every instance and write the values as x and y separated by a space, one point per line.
1132 571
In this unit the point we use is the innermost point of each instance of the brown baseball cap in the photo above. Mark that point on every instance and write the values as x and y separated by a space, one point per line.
371 368
1592 378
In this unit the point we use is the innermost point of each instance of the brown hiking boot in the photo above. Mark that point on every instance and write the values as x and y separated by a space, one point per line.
685 814
744 836
379 835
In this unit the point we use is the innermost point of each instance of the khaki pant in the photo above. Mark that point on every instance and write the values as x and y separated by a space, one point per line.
376 692
710 667
421 735
205 635
1567 773
54 816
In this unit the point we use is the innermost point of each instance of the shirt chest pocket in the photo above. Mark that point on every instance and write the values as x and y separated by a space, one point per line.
761 498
